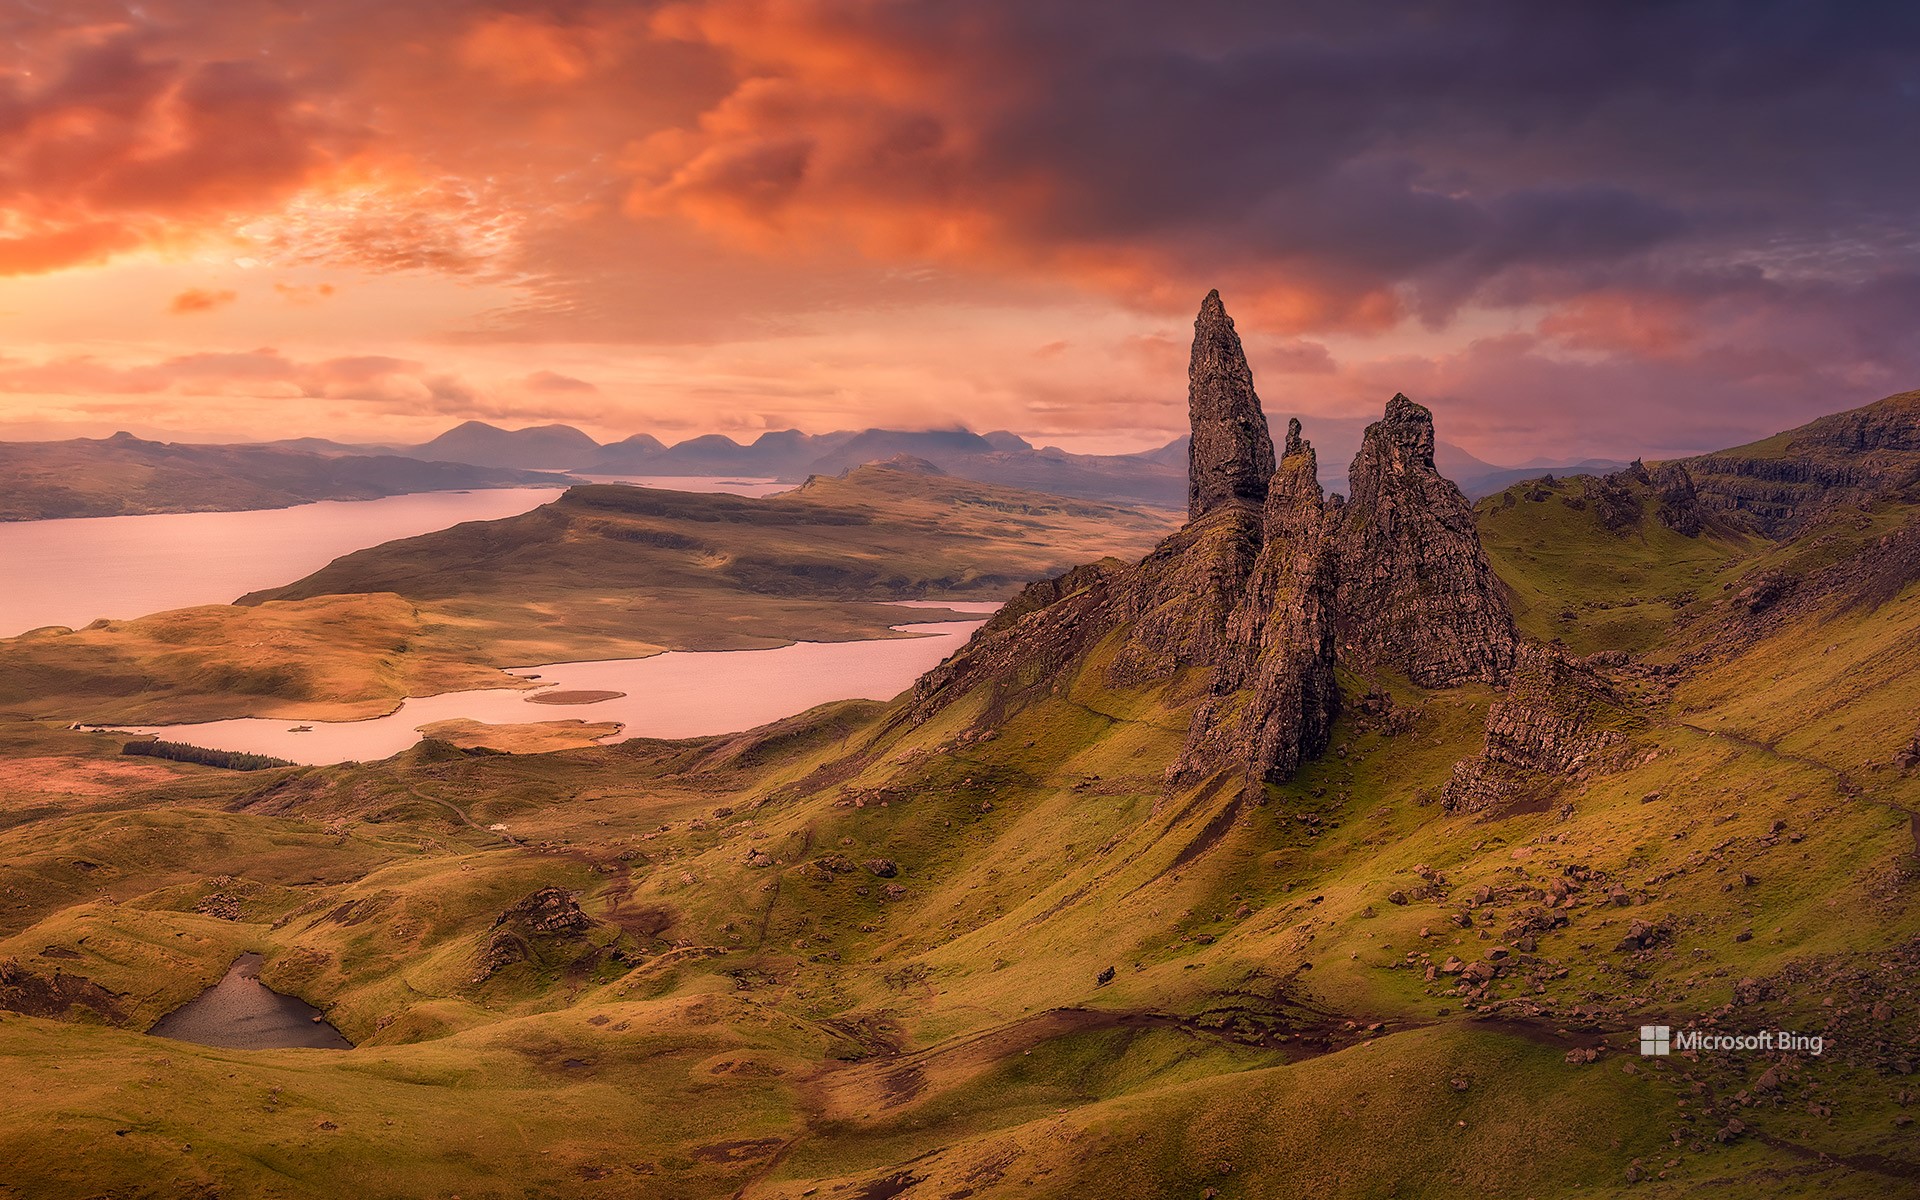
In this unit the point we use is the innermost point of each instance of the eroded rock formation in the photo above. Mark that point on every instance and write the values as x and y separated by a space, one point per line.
1415 590
1273 697
548 916
1231 455
1677 504
1245 608
1558 721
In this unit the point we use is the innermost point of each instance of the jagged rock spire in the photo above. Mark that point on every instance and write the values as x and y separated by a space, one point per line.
1273 695
1231 455
1416 591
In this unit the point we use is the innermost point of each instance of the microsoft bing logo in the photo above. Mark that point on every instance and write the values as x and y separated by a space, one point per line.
1661 1040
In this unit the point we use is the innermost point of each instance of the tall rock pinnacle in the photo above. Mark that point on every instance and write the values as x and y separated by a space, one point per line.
1416 591
1231 456
1273 696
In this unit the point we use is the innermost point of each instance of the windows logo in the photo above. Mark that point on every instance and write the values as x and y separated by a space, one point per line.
1656 1039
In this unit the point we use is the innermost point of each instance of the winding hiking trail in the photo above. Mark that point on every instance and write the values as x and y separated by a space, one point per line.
1848 785
466 820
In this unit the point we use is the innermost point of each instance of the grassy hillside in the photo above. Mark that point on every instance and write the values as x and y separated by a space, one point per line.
1573 577
993 952
847 955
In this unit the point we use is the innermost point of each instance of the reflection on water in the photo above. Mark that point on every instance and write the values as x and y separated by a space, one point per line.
71 572
241 1013
674 695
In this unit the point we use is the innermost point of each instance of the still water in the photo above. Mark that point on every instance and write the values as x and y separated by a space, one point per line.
241 1013
71 572
673 695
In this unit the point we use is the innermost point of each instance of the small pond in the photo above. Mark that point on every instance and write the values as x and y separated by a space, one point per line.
241 1013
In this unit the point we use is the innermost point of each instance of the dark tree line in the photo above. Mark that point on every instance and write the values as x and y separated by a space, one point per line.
232 760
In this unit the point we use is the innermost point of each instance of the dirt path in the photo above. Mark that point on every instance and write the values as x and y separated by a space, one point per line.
464 819
1848 785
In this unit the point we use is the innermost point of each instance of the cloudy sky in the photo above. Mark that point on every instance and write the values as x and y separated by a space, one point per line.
1609 228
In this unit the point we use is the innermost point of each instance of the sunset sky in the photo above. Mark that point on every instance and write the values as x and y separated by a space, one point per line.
1611 228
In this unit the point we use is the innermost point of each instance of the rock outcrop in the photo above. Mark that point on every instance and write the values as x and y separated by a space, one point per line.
1245 608
1677 502
1273 697
1781 485
1231 455
548 917
1415 589
1170 610
1174 605
1907 757
1558 721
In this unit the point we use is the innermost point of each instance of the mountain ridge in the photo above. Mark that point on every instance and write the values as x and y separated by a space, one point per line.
127 476
1154 476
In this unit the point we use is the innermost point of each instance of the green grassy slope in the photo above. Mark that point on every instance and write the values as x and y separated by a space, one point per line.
1574 579
851 956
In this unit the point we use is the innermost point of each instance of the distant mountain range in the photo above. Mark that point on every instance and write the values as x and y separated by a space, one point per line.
124 475
1156 477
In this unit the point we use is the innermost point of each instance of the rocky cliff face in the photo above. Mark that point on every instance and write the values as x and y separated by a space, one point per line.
1170 610
1231 455
1415 589
1556 722
1273 699
1780 485
1172 607
1677 502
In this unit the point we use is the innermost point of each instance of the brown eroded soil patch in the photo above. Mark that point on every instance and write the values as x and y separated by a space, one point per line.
59 775
36 995
575 696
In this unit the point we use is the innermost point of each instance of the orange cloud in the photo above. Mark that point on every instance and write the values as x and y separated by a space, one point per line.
198 300
119 149
521 49
1615 322
859 126
304 293
553 381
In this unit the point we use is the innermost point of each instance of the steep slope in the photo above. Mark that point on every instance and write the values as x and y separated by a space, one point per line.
976 942
1590 563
